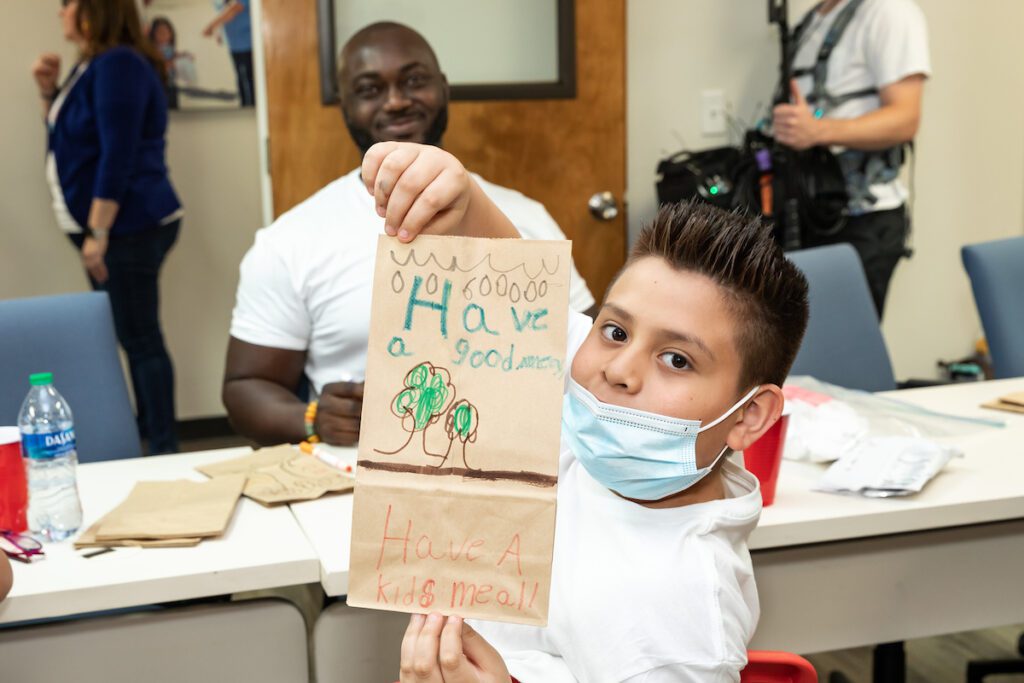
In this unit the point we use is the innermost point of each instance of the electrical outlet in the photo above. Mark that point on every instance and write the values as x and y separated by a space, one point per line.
712 112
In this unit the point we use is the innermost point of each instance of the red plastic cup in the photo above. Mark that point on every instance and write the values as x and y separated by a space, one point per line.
13 485
764 457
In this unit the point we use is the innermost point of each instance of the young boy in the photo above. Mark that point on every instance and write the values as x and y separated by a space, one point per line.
651 580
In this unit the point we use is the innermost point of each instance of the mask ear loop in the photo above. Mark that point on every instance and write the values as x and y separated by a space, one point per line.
736 406
718 457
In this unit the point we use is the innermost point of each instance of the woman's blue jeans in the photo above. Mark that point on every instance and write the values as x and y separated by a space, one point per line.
133 264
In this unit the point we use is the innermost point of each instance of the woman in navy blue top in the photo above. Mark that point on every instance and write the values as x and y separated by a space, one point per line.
111 192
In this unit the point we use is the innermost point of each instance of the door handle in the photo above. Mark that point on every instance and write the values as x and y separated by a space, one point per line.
603 206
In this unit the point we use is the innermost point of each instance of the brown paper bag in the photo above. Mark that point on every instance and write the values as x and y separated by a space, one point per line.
88 540
300 477
454 505
1013 403
282 474
250 462
173 509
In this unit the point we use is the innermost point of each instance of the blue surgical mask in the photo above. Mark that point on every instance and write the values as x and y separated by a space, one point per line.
639 455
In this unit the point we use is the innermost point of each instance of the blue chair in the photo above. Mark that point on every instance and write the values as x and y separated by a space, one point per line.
843 344
72 336
996 270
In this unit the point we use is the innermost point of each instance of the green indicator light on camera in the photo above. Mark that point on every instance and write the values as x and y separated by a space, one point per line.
713 189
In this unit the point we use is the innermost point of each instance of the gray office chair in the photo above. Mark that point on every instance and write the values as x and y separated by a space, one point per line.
72 336
843 344
996 270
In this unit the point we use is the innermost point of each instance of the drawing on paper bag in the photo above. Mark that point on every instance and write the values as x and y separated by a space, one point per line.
428 395
455 495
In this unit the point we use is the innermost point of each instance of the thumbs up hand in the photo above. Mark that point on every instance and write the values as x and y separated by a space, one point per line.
793 124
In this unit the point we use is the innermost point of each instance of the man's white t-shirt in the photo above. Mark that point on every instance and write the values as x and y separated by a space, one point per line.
306 282
641 595
885 41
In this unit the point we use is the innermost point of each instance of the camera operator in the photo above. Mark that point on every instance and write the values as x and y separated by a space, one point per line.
859 69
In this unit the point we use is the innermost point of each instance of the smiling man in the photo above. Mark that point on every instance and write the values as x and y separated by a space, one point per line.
303 302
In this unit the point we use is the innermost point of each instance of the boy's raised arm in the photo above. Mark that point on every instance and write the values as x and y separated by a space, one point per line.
423 189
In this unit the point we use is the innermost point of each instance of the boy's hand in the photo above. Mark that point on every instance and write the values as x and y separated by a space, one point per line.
417 188
423 189
439 650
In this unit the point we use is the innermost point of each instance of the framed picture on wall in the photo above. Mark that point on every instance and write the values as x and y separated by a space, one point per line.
497 49
207 48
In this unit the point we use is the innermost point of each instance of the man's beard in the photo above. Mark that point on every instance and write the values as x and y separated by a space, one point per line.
364 140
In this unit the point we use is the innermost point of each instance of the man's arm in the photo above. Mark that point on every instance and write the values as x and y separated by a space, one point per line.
230 11
895 122
259 392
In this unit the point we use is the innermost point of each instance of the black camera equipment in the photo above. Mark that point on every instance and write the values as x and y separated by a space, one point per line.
801 192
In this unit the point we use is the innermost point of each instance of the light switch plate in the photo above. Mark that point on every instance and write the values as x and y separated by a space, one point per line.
712 112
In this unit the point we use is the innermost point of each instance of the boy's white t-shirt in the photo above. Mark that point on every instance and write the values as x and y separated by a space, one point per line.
306 282
640 595
885 41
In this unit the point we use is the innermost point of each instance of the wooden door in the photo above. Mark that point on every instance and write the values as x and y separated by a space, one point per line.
559 152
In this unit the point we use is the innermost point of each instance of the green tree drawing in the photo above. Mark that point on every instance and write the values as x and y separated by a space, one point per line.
426 395
461 424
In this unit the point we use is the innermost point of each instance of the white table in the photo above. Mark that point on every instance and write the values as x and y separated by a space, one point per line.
839 571
327 523
262 548
833 571
842 571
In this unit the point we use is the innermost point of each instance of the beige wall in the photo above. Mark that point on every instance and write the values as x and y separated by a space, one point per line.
213 157
970 168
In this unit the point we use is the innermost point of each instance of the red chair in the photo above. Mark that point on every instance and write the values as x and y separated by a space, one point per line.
777 667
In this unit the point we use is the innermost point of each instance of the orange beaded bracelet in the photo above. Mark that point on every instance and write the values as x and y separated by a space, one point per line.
310 422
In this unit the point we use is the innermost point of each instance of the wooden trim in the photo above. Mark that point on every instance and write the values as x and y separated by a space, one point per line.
563 88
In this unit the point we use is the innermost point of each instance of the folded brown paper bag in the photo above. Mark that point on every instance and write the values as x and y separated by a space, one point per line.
250 462
454 507
300 477
173 510
88 540
1012 403
282 474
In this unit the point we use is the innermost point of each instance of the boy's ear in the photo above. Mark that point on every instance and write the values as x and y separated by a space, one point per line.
756 417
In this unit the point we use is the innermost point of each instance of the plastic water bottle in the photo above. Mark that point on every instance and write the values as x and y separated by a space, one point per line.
48 447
